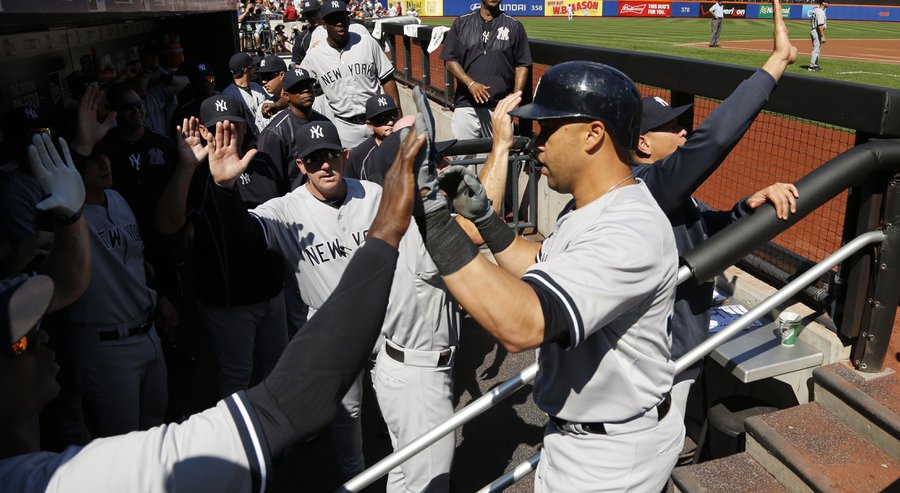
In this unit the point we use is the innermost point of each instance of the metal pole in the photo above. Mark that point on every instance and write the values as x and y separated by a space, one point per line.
783 294
522 470
470 412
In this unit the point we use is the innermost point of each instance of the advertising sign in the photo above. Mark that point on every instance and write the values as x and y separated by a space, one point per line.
682 9
515 8
644 9
766 12
732 10
433 8
585 8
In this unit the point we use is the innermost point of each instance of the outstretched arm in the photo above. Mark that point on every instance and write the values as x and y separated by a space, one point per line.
673 179
172 206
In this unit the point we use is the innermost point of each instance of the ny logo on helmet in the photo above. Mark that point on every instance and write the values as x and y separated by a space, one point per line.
221 105
316 132
660 100
382 102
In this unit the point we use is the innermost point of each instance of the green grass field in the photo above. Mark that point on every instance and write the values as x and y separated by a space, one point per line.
665 35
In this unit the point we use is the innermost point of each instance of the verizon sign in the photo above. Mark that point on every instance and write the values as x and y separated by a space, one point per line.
644 9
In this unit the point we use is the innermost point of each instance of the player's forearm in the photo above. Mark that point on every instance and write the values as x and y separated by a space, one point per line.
520 255
520 79
503 304
170 210
457 71
316 369
495 172
69 263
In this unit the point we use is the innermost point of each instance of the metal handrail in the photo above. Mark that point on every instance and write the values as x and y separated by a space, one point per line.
725 334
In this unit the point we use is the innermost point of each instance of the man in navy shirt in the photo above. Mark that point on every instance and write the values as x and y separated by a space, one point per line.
487 51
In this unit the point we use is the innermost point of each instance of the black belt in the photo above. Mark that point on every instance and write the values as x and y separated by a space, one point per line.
399 356
662 409
112 335
355 119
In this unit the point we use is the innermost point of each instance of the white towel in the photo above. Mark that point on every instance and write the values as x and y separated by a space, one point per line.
437 37
411 30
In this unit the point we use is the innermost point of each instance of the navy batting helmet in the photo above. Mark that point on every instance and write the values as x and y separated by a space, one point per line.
592 91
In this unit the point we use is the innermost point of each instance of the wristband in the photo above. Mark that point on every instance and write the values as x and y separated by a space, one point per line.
470 84
496 234
448 245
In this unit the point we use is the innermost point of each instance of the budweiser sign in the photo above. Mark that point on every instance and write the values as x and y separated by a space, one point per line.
644 9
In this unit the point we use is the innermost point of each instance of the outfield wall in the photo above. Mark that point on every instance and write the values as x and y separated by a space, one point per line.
633 8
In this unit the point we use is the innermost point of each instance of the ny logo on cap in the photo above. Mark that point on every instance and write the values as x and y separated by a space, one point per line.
335 4
316 132
221 105
202 67
30 113
262 63
298 72
382 102
661 101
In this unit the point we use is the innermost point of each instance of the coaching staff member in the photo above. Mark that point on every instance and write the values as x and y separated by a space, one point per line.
488 53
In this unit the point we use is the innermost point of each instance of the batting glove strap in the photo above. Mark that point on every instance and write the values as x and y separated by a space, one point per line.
447 243
497 234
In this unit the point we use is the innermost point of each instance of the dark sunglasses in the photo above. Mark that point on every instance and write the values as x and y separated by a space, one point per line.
131 106
384 118
267 76
322 156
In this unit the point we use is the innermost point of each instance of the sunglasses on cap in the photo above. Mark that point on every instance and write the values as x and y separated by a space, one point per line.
322 156
30 339
384 118
131 106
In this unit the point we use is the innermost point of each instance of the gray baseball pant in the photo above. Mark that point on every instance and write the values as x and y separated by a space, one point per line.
716 30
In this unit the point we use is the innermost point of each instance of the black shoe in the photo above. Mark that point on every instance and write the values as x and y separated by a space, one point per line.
814 69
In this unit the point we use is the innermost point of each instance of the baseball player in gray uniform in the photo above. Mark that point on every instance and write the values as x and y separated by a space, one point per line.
228 448
818 23
350 68
594 297
317 228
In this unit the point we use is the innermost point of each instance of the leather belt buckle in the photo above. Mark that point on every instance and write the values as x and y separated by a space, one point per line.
114 335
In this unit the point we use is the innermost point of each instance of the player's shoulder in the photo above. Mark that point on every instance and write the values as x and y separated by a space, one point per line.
509 20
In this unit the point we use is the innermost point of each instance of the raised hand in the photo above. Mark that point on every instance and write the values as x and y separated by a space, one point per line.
57 176
783 49
90 131
400 189
501 121
225 161
189 136
783 197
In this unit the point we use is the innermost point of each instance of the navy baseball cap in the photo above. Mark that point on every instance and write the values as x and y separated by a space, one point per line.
201 69
18 123
23 302
656 112
294 77
271 64
240 61
309 6
378 104
318 135
219 108
333 7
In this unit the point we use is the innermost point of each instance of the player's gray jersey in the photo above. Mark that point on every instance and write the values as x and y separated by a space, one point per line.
220 449
817 18
117 296
349 77
253 101
613 265
318 241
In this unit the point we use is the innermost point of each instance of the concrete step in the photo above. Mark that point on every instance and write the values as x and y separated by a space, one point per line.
737 473
870 405
806 448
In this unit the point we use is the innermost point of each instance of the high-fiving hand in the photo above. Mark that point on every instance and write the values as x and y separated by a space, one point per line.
57 176
225 161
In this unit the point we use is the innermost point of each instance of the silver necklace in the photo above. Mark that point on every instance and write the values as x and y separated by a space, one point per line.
623 180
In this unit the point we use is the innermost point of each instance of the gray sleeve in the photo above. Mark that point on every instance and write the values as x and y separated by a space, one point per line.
220 449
